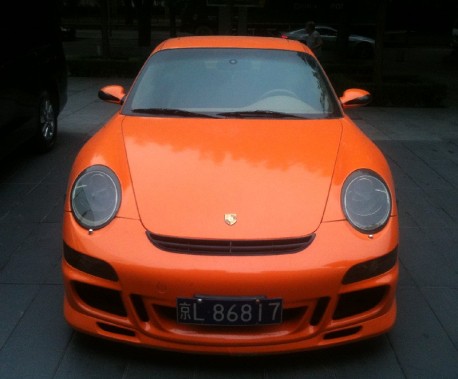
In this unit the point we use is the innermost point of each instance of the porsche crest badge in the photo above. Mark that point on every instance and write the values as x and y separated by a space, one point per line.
230 218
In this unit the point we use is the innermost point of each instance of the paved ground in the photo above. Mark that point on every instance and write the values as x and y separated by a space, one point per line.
35 342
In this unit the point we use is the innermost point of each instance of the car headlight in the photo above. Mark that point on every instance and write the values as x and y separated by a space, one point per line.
366 201
95 197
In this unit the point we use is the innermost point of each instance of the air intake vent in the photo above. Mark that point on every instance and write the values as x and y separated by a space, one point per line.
230 247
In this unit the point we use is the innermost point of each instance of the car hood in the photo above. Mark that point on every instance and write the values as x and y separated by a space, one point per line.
274 175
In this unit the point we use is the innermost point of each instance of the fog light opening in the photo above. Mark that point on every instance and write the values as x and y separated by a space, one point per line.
100 298
357 302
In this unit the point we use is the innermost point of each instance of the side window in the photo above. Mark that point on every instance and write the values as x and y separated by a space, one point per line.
327 32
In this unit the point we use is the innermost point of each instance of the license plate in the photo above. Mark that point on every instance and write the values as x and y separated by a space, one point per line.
229 311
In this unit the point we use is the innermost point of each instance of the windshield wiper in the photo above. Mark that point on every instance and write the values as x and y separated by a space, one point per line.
260 114
171 112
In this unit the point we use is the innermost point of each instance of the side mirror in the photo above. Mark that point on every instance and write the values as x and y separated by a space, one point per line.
353 98
112 94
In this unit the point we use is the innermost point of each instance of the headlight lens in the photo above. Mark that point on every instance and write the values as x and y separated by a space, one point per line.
95 197
366 201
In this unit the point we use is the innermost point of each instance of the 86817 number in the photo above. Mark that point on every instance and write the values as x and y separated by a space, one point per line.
229 311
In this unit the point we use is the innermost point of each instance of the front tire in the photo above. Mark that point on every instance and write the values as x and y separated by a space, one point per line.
46 124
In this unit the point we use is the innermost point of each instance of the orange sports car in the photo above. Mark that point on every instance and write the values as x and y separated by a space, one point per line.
230 206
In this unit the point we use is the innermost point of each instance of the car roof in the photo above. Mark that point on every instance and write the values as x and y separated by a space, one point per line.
232 42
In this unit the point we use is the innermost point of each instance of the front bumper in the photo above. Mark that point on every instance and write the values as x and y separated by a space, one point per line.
138 304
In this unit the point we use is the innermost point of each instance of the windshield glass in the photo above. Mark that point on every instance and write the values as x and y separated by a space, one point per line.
241 83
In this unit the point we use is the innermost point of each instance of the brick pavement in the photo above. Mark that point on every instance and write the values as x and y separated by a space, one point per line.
35 342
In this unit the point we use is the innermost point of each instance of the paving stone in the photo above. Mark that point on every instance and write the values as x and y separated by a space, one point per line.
14 302
444 241
86 357
426 265
36 346
422 345
36 258
12 237
445 307
373 358
422 210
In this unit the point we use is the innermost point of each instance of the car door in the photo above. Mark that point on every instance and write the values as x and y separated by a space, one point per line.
329 37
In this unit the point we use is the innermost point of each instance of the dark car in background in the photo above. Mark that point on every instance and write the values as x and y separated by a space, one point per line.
359 46
33 76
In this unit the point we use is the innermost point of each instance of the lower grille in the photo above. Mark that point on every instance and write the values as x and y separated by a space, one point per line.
294 320
353 303
101 298
230 247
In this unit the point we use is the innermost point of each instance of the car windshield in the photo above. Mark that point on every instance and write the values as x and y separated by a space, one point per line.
226 83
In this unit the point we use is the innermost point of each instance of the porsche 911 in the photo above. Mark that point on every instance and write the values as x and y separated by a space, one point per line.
231 206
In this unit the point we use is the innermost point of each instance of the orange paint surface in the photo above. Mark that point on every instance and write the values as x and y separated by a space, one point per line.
279 179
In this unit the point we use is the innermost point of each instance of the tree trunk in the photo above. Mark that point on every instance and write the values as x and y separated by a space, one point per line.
380 32
144 12
172 18
105 28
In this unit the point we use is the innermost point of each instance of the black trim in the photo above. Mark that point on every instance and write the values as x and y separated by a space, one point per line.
89 265
369 269
230 247
104 299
